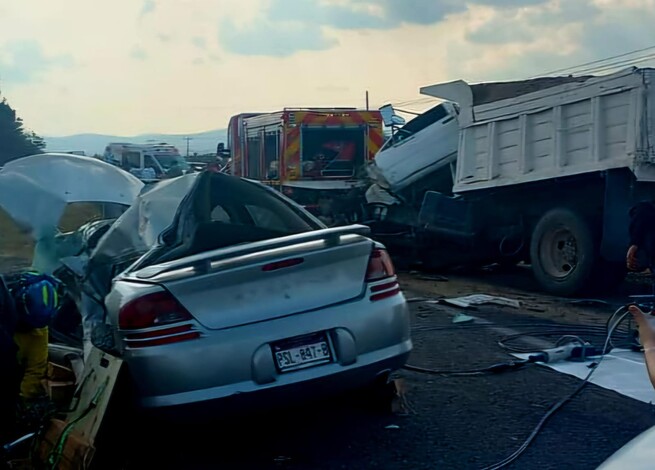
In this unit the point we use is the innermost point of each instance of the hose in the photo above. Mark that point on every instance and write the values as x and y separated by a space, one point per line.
494 369
571 333
614 321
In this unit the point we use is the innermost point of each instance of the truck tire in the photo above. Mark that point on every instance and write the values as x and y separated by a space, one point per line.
563 252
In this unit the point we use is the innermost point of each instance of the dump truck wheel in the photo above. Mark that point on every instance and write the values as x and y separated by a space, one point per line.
563 252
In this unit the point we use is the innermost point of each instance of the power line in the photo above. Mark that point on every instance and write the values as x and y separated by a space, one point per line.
624 63
598 61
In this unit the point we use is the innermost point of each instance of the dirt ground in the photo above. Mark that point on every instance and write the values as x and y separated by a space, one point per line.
448 422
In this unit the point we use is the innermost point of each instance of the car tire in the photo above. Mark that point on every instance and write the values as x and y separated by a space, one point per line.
563 252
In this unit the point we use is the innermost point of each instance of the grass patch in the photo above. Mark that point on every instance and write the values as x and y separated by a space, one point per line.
17 247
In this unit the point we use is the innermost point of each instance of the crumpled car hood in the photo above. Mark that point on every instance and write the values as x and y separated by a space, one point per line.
35 190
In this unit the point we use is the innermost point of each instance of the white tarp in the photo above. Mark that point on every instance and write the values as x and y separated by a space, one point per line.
622 371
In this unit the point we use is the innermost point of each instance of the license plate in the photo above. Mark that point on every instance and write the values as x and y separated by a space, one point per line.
302 352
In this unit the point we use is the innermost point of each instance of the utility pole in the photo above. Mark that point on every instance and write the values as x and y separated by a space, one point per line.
366 100
188 139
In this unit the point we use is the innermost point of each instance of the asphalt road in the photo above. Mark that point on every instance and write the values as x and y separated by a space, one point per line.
448 423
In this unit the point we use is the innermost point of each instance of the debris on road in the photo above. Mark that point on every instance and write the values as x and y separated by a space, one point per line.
462 318
590 302
480 299
416 299
70 441
432 277
400 404
536 309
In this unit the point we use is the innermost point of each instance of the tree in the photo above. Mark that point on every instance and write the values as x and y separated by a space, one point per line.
15 141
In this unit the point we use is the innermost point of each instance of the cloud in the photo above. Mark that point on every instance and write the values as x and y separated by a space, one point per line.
389 47
501 31
268 39
605 38
300 25
149 6
25 62
527 24
164 37
510 3
198 61
138 53
199 42
586 31
423 12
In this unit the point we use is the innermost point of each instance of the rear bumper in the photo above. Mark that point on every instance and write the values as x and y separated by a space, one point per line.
279 396
369 339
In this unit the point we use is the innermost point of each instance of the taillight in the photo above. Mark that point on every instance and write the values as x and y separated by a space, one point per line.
287 263
380 266
151 311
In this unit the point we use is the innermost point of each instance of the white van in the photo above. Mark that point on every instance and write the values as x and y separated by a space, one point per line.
146 161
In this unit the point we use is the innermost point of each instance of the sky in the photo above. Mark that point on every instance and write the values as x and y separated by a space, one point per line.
128 67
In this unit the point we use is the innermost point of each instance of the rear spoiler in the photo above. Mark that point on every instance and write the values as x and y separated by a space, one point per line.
202 262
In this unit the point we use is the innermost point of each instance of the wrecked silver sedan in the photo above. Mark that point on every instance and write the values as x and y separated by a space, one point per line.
214 288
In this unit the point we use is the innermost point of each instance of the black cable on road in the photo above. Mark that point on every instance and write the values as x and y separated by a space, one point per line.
549 330
615 320
494 369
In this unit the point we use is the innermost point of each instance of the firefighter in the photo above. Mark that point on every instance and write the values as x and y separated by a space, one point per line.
641 254
9 386
37 301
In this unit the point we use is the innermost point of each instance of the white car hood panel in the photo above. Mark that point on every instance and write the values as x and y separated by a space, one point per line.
35 190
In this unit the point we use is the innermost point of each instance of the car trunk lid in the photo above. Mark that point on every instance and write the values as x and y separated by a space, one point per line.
259 281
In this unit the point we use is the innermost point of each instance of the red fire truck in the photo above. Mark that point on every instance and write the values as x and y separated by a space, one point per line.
315 156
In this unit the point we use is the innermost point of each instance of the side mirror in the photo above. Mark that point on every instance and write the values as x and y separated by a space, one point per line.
389 116
397 120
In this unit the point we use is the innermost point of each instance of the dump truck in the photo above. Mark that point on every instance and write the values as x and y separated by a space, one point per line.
546 171
313 155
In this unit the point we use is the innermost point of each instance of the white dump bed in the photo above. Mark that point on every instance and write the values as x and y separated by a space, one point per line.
569 126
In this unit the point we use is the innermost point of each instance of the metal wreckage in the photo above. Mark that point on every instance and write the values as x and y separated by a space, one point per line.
181 242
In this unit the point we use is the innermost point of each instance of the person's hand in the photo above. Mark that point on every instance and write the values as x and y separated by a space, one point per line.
646 325
631 259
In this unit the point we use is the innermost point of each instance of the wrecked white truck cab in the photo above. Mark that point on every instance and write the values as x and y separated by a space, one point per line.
417 149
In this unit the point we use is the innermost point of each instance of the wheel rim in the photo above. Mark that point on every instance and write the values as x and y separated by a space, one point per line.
558 252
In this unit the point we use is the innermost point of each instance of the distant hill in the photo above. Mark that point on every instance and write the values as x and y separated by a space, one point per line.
200 143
